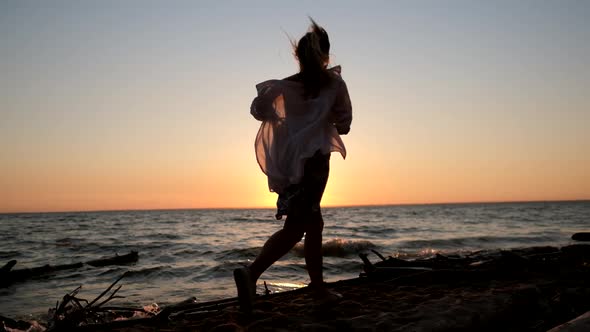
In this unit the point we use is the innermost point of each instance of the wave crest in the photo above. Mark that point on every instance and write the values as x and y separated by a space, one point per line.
338 247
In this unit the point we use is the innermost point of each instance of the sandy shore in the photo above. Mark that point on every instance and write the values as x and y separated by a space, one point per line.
432 301
533 289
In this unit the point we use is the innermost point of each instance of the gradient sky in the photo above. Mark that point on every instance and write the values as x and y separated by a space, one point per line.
145 105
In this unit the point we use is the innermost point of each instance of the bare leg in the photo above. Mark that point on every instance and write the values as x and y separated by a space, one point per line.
313 250
275 247
313 260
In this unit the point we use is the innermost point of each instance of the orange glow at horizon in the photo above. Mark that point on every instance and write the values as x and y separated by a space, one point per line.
350 183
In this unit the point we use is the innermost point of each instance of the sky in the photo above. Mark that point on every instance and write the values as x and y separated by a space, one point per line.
109 105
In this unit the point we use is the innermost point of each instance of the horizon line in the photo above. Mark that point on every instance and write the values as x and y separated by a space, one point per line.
326 207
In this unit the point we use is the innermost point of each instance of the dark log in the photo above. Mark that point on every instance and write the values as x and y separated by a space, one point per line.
582 236
577 253
104 309
5 272
8 266
579 324
396 262
368 267
9 276
378 254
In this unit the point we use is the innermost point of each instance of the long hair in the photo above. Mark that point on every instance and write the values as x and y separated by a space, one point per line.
313 53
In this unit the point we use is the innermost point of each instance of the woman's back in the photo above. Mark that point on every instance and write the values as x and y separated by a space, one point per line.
295 125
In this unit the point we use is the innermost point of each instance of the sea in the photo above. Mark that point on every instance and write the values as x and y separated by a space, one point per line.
192 253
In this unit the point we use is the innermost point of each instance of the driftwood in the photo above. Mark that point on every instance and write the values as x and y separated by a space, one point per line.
97 318
579 324
13 324
582 236
73 315
534 259
9 276
7 267
72 312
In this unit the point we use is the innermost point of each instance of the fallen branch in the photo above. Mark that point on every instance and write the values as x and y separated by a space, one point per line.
106 291
71 315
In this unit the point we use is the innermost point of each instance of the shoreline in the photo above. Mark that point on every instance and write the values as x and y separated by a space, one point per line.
527 289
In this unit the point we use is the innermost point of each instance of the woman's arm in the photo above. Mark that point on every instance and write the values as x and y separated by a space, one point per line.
342 110
262 107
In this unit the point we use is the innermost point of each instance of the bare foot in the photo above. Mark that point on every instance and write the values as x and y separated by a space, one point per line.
322 296
246 288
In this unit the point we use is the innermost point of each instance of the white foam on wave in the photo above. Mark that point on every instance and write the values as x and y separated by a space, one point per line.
338 247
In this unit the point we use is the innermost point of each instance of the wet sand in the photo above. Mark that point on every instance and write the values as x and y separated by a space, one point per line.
432 301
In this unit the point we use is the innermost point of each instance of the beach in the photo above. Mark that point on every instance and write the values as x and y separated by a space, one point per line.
531 289
528 290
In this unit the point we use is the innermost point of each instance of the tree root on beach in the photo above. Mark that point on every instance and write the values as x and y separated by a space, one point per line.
72 312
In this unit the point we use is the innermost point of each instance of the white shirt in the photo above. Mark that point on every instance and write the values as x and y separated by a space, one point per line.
294 127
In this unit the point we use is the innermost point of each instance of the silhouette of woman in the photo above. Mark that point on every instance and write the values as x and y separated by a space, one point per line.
302 118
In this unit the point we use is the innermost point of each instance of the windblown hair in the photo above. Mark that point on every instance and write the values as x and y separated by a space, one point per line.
313 53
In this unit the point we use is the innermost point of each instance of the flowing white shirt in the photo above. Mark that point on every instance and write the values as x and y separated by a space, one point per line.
295 127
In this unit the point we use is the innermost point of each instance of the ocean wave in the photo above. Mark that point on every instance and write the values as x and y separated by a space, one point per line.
222 270
116 270
191 252
166 272
338 247
149 271
75 276
252 219
349 266
106 248
165 236
68 242
9 254
237 254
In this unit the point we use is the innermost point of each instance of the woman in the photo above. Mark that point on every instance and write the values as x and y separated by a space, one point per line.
302 118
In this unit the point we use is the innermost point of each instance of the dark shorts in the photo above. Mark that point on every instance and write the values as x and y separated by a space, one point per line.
301 202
